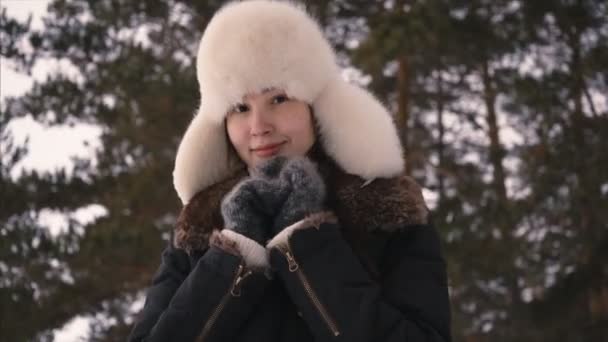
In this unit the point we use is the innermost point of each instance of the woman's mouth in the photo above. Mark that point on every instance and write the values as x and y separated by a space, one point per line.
267 150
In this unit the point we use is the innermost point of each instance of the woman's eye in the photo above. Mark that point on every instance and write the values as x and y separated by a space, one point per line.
240 108
279 99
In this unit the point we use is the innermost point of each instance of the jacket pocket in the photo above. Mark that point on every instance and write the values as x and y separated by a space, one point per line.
235 291
294 267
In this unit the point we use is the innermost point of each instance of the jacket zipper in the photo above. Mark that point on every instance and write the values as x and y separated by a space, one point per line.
294 267
235 291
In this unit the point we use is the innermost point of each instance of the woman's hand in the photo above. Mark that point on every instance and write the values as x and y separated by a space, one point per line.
305 188
278 193
250 207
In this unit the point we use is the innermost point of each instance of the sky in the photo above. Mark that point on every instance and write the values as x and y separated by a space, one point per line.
49 148
12 83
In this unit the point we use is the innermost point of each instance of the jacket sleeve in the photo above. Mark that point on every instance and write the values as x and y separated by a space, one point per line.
340 302
207 300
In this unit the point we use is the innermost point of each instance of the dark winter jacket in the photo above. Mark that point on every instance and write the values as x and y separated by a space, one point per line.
374 274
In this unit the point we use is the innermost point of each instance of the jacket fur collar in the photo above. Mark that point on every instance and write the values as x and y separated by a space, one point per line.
384 204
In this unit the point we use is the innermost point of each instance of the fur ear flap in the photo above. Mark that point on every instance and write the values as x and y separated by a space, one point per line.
358 132
203 157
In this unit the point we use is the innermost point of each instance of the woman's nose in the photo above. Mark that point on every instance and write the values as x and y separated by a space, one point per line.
260 123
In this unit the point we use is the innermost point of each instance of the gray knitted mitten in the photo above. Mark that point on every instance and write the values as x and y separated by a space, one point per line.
306 192
250 207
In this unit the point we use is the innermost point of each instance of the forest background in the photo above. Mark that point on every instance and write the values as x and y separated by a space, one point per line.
502 106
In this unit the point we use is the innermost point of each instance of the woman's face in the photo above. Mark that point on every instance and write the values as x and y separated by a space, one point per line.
268 124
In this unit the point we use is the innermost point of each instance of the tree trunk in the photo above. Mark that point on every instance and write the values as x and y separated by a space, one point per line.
496 150
586 192
502 207
403 88
440 142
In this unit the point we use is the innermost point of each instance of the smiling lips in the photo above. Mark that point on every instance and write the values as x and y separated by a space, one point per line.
267 150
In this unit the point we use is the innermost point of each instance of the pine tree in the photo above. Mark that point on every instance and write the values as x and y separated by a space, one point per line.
137 82
565 166
523 223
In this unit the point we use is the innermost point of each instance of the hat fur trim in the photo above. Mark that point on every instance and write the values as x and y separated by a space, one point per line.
255 45
358 132
203 158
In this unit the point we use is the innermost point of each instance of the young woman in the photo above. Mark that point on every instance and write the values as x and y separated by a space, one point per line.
298 223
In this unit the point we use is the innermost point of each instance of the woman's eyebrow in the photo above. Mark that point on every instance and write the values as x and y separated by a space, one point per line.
268 90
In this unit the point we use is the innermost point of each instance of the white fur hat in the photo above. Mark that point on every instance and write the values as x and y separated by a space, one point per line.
253 45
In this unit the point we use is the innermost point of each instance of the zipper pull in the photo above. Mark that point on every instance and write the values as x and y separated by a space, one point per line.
293 265
238 281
